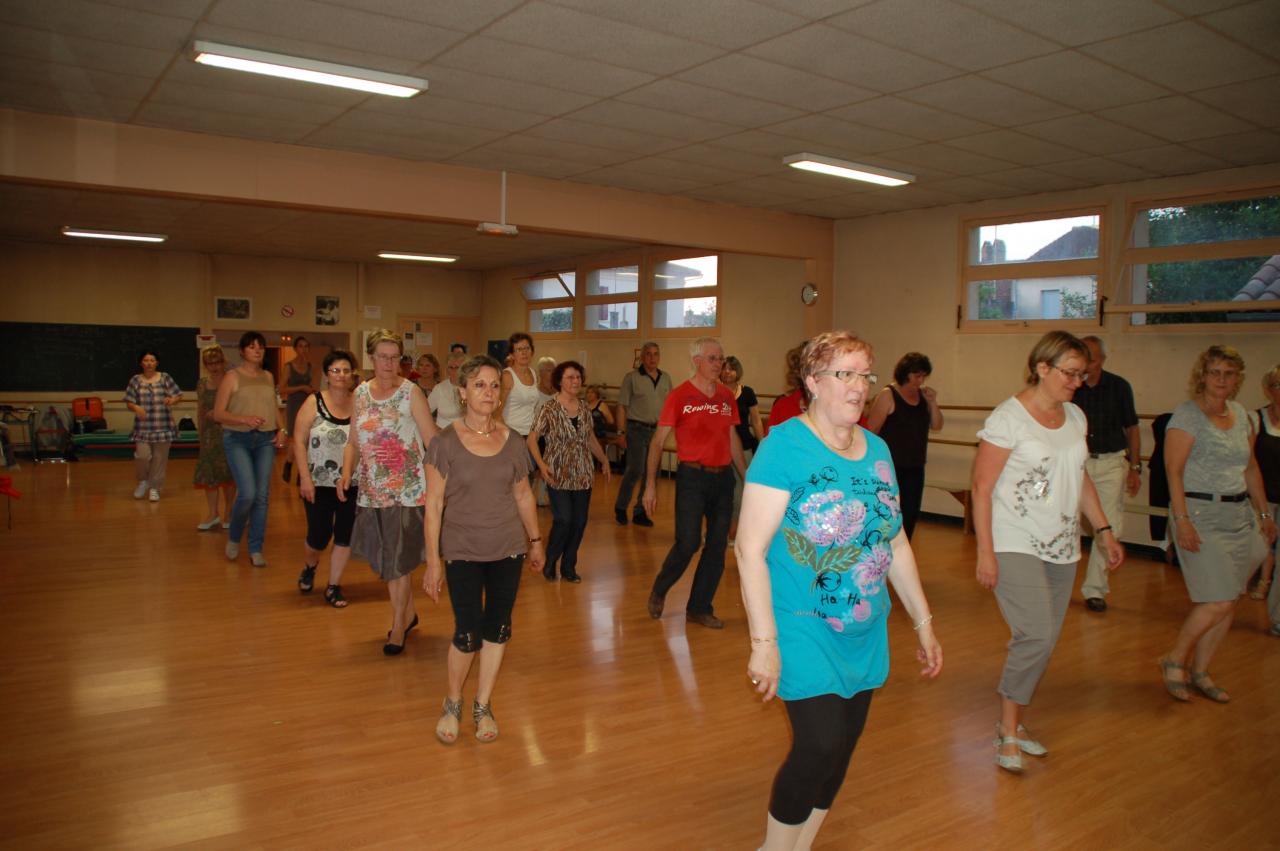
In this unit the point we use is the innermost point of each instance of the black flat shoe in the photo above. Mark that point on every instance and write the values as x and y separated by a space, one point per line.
571 577
307 579
549 573
412 624
390 649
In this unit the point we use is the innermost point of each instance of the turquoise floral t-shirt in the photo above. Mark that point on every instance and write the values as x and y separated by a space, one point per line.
829 560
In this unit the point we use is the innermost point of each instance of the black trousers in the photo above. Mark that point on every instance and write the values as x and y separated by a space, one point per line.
483 593
824 730
699 495
910 494
569 511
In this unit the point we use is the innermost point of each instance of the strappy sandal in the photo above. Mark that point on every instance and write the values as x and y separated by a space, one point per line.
307 578
1009 762
1204 685
486 724
1260 590
1177 688
1026 744
450 720
333 596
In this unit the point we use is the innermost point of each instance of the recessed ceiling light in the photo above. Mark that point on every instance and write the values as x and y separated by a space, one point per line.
306 70
851 170
422 258
114 234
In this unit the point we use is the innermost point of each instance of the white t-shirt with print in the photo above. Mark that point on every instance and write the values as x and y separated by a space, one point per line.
1036 504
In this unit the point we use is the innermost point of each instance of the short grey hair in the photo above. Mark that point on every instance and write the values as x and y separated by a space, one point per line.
695 348
649 344
1094 338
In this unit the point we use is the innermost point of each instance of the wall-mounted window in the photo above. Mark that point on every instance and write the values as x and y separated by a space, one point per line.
550 296
1203 260
611 302
1029 270
686 293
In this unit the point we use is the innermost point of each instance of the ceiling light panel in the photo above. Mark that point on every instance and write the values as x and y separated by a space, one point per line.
847 169
306 70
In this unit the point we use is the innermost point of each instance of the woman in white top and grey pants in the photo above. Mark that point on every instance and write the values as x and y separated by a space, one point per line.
1029 486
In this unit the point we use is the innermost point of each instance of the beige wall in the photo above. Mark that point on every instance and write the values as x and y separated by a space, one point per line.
760 313
897 285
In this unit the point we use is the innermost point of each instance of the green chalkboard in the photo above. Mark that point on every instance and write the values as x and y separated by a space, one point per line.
45 357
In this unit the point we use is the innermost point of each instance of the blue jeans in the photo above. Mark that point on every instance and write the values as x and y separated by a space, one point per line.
699 494
568 524
250 455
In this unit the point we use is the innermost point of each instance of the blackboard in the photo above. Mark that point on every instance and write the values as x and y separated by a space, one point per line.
45 357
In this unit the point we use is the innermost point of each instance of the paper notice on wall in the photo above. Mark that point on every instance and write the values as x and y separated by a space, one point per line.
424 339
204 341
373 311
410 343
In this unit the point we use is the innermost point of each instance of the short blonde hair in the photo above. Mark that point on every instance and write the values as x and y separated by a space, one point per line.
1210 356
1050 348
1270 376
546 362
821 351
212 353
383 335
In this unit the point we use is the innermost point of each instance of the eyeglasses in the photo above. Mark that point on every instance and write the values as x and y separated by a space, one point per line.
1274 385
713 358
848 375
1228 374
387 358
334 370
1072 374
522 349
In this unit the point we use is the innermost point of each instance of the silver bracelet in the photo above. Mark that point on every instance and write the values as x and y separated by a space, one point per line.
928 619
755 640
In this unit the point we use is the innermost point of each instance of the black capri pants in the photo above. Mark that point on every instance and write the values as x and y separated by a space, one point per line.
824 730
328 517
482 593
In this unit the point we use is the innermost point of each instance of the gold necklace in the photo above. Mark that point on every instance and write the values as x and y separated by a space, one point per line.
478 431
823 437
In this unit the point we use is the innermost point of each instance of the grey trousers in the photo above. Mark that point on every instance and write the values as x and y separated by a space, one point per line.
150 461
1033 596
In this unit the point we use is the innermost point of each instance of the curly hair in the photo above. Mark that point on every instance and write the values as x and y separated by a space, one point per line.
1207 358
557 374
909 363
822 350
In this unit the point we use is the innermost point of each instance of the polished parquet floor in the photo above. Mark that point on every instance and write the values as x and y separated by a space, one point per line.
156 695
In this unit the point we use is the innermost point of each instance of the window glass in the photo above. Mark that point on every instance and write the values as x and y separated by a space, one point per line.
685 312
558 285
1066 297
1222 221
685 273
1073 238
1234 279
619 279
615 316
551 319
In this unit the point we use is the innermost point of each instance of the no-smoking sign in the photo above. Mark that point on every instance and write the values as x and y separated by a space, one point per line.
286 311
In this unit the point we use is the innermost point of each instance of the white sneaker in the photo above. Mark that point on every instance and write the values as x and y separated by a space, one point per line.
257 559
140 491
233 550
155 495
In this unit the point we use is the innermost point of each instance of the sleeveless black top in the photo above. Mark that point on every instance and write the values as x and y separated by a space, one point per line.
906 431
1266 449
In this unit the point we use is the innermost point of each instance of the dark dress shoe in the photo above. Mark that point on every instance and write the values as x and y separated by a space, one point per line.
1095 604
571 577
620 515
641 519
706 619
655 606
549 573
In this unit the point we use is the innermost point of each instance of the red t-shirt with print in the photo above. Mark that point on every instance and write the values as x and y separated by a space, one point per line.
702 423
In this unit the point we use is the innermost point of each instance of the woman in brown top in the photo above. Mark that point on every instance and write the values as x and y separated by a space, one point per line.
566 467
479 468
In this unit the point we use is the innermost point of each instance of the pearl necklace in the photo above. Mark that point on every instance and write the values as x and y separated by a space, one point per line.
478 431
823 437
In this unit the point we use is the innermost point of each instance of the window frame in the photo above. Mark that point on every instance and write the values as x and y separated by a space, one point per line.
974 272
656 295
1131 256
549 303
611 261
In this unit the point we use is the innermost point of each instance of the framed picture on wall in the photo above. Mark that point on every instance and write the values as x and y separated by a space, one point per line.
233 307
327 309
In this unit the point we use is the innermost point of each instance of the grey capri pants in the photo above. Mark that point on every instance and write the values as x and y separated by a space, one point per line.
1033 596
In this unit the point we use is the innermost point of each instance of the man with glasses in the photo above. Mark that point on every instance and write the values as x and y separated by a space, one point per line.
703 413
1114 463
640 398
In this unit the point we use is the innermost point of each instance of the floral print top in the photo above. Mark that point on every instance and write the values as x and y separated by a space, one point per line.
829 560
1035 507
390 469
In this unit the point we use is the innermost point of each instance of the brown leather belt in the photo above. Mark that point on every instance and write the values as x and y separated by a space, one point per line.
1218 497
706 468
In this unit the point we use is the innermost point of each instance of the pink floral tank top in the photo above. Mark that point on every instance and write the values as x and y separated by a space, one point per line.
391 449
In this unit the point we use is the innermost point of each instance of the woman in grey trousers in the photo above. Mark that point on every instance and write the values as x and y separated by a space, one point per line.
1029 487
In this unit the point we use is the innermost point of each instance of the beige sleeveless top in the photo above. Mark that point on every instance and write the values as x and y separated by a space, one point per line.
254 397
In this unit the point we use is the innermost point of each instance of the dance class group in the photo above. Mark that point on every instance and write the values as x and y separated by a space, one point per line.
417 464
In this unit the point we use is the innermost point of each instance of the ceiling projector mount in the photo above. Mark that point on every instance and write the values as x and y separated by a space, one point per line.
500 227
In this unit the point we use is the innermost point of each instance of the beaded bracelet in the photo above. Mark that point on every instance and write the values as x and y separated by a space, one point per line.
922 623
755 640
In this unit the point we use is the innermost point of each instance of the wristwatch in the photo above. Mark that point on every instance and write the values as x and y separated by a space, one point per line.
1137 468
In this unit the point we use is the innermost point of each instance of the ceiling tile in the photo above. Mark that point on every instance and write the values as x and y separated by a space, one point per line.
1257 100
1256 24
1199 7
1016 147
453 136
1251 148
96 21
815 9
243 103
495 160
827 208
640 181
987 101
568 31
1161 55
532 65
699 174
615 113
432 107
20 94
323 24
1098 170
464 15
840 138
189 10
761 143
953 161
69 78
483 88
1171 159
790 183
943 31
974 188
1076 80
64 49
720 157
843 56
1090 134
747 196
339 52
1034 180
748 75
180 117
911 119
1176 119
551 148
690 99
1080 21
728 25
636 142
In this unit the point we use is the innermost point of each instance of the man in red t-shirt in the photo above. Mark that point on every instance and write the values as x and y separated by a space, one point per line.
703 414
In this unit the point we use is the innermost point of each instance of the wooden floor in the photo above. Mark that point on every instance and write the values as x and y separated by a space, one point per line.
155 695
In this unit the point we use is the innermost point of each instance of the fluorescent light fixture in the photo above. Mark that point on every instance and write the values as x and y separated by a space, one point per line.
422 258
851 170
306 70
114 234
